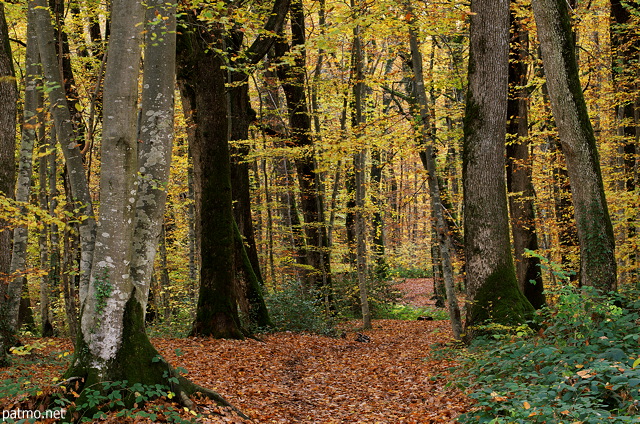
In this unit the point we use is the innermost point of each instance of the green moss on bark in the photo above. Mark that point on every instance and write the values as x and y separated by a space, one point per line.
499 300
137 361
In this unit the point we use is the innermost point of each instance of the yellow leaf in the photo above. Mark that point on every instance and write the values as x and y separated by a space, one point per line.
636 363
526 405
565 412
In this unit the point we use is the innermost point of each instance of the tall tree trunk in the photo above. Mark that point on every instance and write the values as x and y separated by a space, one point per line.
293 84
155 136
359 156
202 83
25 172
595 232
492 287
519 182
427 155
8 101
113 345
66 136
112 306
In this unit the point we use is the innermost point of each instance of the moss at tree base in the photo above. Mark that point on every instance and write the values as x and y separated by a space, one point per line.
499 301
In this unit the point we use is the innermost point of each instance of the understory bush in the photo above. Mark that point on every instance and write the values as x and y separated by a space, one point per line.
583 365
292 308
381 294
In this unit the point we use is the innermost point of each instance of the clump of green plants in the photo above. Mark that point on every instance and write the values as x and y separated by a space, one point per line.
411 313
293 308
583 365
410 272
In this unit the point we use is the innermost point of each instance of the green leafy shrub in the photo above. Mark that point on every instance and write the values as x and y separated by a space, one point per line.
410 272
382 296
292 308
582 366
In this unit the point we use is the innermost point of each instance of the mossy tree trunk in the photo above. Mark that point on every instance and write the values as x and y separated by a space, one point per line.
595 232
241 116
112 343
492 287
104 317
519 182
202 82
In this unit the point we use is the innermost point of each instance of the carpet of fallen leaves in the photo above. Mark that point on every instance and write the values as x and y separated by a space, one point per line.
302 378
293 378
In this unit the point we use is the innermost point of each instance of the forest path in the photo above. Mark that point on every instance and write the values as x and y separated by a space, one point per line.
396 377
399 376
299 378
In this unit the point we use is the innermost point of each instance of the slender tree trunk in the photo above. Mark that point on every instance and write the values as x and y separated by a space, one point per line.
25 172
492 287
293 81
519 182
595 232
359 223
155 135
66 136
428 161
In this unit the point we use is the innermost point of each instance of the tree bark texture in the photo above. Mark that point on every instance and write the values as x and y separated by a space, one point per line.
8 101
595 232
111 289
155 135
293 84
519 182
202 82
492 287
427 155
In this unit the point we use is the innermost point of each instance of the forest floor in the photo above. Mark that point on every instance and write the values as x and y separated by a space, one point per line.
396 377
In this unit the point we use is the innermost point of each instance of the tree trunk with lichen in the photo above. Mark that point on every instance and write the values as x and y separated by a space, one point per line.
492 288
595 232
112 343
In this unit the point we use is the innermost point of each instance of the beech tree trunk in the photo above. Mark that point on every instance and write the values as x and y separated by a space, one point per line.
8 101
111 306
25 172
202 84
492 287
427 156
595 232
66 136
293 84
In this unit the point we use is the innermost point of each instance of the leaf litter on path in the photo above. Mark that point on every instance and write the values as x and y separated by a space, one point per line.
300 378
303 378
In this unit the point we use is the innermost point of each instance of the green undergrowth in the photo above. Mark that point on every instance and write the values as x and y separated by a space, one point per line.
293 308
582 365
412 313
